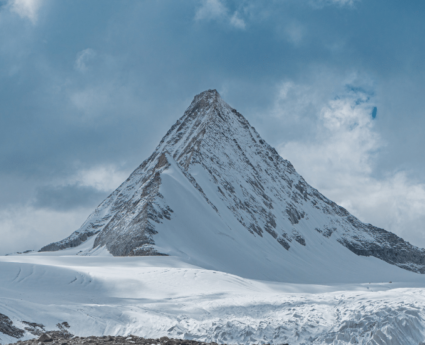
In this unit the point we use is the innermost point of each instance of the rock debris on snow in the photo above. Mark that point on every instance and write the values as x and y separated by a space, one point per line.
7 327
108 340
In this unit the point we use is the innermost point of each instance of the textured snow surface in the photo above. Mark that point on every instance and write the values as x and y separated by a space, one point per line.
165 296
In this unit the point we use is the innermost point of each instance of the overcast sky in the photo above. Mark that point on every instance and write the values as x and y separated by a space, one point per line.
88 88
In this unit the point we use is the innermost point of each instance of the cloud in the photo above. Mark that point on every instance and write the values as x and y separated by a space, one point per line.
103 178
340 161
102 99
67 198
85 188
343 2
216 10
27 227
83 58
26 8
322 3
296 103
211 9
57 209
294 32
93 100
237 21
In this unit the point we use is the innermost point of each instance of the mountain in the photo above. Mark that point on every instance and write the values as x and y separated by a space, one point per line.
215 194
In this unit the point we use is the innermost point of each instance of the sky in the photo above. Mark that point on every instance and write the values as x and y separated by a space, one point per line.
88 89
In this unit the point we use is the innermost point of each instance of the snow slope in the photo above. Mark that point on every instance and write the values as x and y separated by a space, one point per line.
165 296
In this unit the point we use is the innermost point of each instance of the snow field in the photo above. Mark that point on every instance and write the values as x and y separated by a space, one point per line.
164 296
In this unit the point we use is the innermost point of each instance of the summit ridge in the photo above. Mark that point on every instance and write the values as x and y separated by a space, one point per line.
215 193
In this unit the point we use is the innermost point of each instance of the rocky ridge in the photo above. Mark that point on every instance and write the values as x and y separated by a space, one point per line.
230 167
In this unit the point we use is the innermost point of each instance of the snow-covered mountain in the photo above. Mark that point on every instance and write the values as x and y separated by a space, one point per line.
204 222
215 194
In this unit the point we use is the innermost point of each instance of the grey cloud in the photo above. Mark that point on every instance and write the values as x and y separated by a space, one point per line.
83 58
70 197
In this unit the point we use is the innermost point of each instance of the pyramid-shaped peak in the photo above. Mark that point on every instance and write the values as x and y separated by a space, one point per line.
207 99
211 95
215 192
209 105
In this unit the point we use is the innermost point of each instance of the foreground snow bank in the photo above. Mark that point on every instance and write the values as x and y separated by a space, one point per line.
163 296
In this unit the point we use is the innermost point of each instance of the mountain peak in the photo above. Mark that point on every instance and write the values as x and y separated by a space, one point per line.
207 104
214 191
207 97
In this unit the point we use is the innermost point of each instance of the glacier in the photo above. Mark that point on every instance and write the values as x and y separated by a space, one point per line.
155 296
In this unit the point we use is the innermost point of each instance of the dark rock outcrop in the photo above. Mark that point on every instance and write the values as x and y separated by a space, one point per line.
7 327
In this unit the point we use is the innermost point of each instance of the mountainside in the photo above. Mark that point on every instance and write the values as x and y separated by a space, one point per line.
216 194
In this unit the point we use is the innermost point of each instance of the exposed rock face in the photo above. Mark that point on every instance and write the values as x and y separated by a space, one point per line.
241 171
72 241
6 327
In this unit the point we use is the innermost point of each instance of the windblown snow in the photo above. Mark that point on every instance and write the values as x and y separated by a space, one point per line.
216 237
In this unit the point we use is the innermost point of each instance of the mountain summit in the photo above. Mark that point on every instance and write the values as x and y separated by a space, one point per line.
216 194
